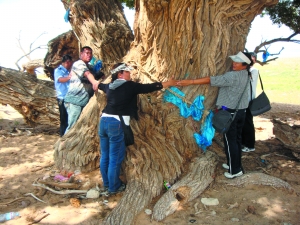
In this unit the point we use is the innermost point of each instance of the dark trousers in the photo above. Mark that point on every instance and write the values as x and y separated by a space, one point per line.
248 133
233 143
63 116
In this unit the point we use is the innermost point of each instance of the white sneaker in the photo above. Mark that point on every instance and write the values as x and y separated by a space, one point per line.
246 149
225 166
230 176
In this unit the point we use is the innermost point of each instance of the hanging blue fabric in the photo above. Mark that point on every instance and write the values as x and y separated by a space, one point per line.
67 16
93 60
265 56
196 108
204 139
97 66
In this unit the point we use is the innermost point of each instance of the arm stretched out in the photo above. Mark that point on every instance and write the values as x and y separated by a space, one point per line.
204 80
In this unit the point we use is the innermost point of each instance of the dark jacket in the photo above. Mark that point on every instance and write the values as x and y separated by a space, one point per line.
123 99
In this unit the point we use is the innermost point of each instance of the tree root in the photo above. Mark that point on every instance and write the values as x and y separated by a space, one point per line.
258 179
188 188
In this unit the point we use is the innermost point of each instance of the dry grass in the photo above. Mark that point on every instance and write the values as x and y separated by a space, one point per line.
281 80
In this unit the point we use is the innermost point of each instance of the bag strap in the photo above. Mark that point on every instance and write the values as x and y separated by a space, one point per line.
261 84
240 99
122 120
242 94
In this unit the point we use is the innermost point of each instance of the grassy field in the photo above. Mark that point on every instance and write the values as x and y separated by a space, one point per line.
281 80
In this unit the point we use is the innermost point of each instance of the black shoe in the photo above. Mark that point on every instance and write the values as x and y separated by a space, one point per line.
120 189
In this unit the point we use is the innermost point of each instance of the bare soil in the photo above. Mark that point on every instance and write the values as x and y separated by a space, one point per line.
27 156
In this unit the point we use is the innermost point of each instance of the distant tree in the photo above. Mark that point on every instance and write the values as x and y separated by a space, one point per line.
128 3
31 65
286 13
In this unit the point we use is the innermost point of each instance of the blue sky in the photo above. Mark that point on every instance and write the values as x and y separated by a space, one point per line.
31 18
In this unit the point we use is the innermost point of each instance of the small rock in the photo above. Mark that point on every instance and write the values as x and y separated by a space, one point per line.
92 193
251 209
235 220
148 211
210 201
213 213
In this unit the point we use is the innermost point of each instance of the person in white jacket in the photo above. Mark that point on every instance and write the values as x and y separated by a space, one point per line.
248 132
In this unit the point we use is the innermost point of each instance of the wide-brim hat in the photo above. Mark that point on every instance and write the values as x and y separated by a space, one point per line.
240 57
123 67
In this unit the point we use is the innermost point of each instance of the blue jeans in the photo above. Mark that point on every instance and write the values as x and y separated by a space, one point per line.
74 112
112 149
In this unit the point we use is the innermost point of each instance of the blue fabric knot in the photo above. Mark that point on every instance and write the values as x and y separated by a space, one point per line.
204 139
265 56
67 16
196 108
97 66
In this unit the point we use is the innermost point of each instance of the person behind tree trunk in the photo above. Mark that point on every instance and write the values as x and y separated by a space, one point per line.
248 133
121 100
82 86
231 87
62 78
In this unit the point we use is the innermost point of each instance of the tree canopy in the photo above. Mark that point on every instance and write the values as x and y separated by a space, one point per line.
285 12
128 3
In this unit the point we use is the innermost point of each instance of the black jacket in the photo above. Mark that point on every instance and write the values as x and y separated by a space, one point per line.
123 99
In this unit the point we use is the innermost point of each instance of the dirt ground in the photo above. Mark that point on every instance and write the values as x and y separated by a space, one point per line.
27 156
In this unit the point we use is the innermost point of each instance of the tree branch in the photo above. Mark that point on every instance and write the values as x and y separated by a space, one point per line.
288 39
266 62
41 47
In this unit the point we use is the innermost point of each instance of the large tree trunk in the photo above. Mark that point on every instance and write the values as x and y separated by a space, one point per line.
33 98
66 43
288 134
188 39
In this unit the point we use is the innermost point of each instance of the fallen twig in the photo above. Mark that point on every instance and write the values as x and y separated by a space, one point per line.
63 192
42 167
39 218
5 204
283 156
35 197
60 185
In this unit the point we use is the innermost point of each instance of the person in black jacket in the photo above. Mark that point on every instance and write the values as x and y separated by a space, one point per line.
121 100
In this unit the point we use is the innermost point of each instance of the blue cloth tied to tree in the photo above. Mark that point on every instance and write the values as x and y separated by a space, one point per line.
204 139
175 96
67 16
196 108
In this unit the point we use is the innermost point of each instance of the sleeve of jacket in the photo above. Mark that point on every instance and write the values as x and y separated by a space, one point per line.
103 87
147 88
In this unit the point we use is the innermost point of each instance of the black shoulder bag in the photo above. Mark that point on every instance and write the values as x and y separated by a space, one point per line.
261 103
223 119
128 134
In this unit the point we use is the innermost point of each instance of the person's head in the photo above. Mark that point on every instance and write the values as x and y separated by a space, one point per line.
253 56
86 54
120 71
241 61
67 61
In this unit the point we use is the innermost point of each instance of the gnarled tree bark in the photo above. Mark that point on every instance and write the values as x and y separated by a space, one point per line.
33 98
188 39
66 43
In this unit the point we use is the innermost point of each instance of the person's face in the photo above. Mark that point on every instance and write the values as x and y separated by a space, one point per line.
125 75
86 55
253 59
67 64
237 66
